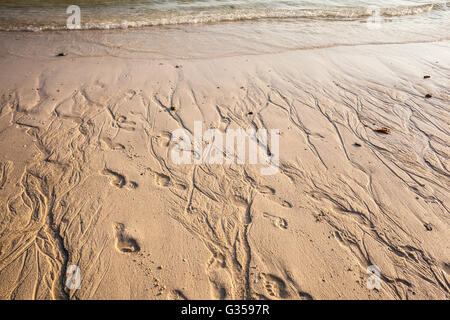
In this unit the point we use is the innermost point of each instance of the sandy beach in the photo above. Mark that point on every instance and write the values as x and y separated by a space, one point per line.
87 178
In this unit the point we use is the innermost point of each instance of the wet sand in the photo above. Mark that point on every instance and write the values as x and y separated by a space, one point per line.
86 176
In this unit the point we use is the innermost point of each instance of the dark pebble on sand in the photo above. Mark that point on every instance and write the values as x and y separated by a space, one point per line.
62 54
250 113
426 77
428 96
356 144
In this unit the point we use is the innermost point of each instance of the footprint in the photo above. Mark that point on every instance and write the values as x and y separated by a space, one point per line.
286 204
164 139
112 145
123 242
162 180
266 190
238 200
123 123
276 221
219 284
219 279
275 286
117 179
176 295
181 186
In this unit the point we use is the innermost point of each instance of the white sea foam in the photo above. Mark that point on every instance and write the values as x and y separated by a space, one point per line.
13 18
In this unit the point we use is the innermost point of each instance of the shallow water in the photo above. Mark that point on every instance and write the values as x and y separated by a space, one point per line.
108 14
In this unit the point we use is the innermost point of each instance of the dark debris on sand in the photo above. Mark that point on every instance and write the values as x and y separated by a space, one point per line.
383 130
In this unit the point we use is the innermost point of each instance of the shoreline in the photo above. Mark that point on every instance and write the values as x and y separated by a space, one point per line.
130 17
219 40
